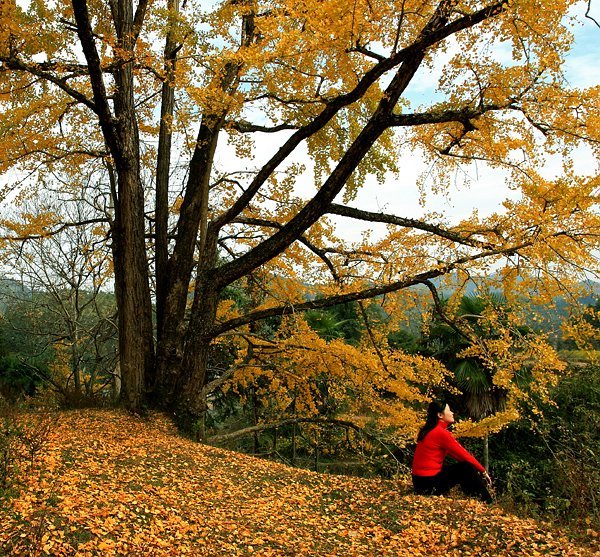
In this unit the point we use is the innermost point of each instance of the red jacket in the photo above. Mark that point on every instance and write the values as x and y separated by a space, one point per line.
431 451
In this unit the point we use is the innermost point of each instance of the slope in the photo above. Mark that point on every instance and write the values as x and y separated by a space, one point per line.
109 484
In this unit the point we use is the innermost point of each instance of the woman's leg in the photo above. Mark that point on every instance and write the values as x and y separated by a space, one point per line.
465 475
424 485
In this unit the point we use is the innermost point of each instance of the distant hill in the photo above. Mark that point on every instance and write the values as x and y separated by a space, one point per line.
11 289
546 318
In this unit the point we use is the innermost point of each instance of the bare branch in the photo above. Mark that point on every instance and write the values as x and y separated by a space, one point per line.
261 427
439 309
138 20
587 13
342 210
248 127
374 344
363 50
463 115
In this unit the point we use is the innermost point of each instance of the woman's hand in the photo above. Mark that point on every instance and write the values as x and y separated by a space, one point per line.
487 478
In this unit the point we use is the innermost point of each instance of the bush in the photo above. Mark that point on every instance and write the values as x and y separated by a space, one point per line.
553 469
18 378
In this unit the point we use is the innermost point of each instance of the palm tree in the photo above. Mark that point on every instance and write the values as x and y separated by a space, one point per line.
447 338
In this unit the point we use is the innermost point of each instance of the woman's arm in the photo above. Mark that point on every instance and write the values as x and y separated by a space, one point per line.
457 451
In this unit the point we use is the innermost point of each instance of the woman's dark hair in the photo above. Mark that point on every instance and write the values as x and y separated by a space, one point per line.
435 407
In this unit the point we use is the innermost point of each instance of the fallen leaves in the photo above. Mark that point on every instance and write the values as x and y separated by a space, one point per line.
113 485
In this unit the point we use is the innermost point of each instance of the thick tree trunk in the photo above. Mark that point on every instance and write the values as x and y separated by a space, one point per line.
170 348
135 317
131 267
132 288
121 135
174 276
190 402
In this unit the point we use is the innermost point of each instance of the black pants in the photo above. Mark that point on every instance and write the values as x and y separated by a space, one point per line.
461 473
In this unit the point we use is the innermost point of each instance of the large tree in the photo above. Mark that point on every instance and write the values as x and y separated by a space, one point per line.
307 91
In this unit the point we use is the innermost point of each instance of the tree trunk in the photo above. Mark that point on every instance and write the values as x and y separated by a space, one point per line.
190 402
121 135
170 348
255 418
486 452
131 267
116 383
189 398
161 241
135 318
174 275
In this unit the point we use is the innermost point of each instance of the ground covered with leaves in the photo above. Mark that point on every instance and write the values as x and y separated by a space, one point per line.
110 484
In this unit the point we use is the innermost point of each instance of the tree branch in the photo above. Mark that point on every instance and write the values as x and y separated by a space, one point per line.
351 212
371 335
439 309
333 106
55 231
463 115
289 421
102 108
14 63
244 126
587 13
322 254
362 294
138 20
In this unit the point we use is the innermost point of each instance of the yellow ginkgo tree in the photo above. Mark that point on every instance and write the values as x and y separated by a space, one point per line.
312 96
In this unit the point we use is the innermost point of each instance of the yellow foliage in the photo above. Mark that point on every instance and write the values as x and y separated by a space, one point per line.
38 224
486 426
299 371
306 64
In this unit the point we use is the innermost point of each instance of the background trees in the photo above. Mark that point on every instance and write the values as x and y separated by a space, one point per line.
59 319
313 98
551 467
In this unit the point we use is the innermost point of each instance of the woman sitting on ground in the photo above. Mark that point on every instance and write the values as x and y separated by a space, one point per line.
429 474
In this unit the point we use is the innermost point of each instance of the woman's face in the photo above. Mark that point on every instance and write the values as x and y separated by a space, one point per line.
447 415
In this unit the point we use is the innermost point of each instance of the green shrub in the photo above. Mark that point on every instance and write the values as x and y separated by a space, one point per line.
553 468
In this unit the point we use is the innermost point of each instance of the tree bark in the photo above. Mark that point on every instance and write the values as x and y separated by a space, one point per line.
486 452
161 242
131 266
121 136
190 397
170 349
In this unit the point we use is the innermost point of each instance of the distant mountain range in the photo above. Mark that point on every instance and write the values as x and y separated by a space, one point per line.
546 318
11 289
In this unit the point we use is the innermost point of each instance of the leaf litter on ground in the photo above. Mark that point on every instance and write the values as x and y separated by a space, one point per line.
112 484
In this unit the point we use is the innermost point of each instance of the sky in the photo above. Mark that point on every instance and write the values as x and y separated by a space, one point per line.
487 189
